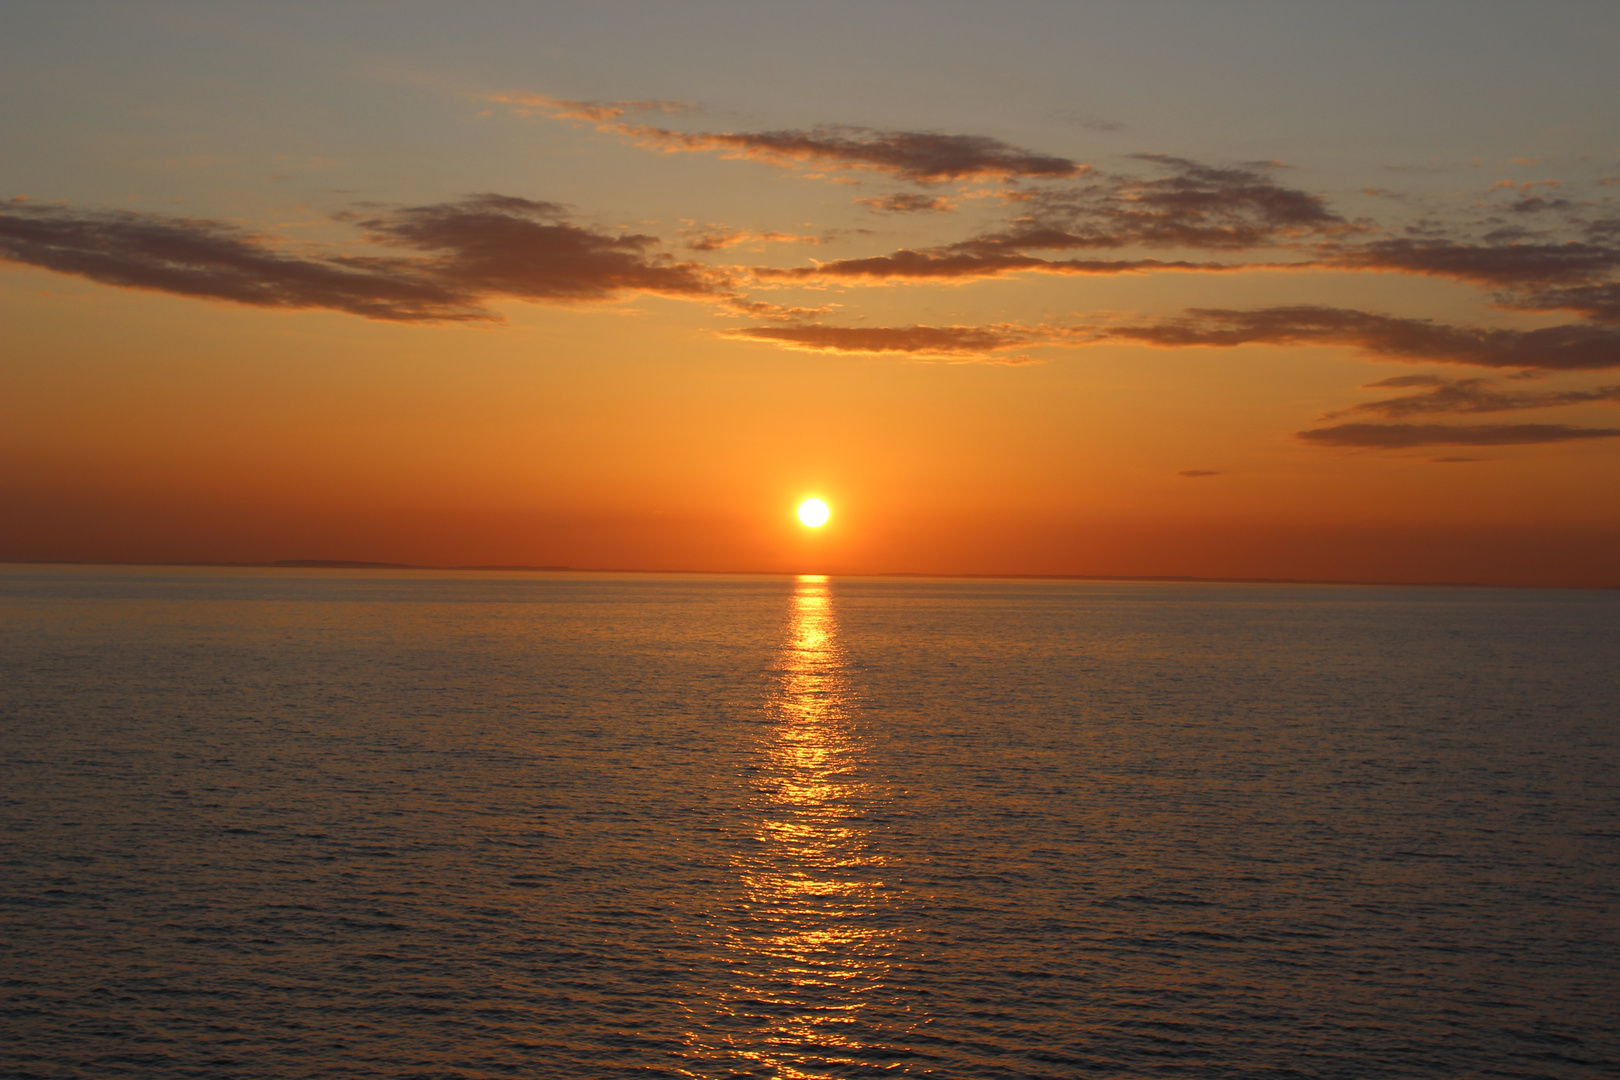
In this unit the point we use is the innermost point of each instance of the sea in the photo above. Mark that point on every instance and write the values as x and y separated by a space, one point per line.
300 823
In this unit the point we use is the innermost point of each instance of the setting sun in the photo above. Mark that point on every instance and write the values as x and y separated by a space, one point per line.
814 513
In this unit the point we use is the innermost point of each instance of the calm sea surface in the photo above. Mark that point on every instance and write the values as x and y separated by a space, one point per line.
287 824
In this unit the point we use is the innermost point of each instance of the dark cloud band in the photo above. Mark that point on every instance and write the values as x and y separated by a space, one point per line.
216 261
460 256
1553 348
919 156
1406 436
943 341
1439 395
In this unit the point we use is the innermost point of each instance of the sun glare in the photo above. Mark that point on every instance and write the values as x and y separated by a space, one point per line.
814 513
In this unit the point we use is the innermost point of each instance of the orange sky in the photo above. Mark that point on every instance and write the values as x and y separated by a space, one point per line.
630 315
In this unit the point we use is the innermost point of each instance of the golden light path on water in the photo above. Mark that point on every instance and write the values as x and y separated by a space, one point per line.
812 950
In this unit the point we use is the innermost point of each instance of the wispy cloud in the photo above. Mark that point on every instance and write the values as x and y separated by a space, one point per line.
1196 207
595 112
907 204
920 156
503 245
1406 436
218 261
1511 265
1091 123
721 237
1533 247
461 256
1540 256
1554 348
940 265
946 342
1598 302
762 309
1439 395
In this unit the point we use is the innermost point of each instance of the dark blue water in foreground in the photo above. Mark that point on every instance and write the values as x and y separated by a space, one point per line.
367 824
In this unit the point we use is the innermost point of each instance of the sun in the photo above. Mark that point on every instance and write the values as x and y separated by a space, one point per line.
814 513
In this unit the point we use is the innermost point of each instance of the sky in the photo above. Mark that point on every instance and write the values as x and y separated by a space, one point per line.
1269 290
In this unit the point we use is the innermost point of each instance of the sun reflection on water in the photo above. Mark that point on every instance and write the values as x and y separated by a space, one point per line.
811 949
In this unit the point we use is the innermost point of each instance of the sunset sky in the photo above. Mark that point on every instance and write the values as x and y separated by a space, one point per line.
1254 290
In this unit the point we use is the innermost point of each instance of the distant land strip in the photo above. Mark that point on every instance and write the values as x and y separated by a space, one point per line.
357 564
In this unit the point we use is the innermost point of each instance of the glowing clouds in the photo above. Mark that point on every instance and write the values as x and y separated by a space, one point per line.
814 513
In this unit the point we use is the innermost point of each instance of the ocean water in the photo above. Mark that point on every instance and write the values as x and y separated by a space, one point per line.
309 823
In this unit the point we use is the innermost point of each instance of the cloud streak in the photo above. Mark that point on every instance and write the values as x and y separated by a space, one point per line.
923 157
945 265
1407 436
919 156
1196 206
1598 302
594 112
1189 206
720 237
947 342
1504 265
1553 348
456 258
907 204
1440 395
217 261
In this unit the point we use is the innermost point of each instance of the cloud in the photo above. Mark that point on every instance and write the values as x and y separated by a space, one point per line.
948 342
1091 123
1571 348
595 112
217 261
1193 474
1196 206
1553 348
924 157
1404 436
1205 206
907 204
500 244
761 309
719 237
1574 275
1535 204
937 265
1599 302
461 255
920 156
1435 165
1604 229
1189 206
1468 396
1512 265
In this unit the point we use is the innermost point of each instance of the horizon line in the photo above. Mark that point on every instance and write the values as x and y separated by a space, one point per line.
358 564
